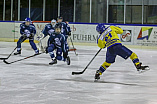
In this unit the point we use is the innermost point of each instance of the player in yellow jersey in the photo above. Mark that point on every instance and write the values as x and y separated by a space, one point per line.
108 38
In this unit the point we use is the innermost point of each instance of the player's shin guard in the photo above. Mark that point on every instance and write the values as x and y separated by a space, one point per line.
19 44
135 60
34 46
102 68
52 55
105 65
67 46
140 68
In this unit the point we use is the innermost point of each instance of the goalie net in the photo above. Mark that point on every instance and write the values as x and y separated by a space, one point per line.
43 43
39 25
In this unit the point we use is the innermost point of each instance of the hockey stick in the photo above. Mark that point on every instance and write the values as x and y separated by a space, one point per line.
73 46
12 51
9 54
73 73
21 59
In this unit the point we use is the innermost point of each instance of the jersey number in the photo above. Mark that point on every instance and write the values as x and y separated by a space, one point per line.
57 42
106 38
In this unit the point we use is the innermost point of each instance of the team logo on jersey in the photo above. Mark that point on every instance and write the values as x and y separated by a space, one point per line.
145 33
126 36
57 42
27 31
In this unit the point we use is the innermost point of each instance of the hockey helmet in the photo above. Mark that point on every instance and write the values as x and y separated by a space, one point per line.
100 28
53 22
28 19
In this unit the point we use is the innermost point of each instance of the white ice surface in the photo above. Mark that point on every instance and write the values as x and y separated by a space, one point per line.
33 81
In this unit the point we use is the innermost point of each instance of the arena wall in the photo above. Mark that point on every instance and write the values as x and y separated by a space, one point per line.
85 33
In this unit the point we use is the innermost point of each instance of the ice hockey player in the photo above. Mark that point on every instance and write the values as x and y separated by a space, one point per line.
27 31
49 28
57 42
108 38
65 30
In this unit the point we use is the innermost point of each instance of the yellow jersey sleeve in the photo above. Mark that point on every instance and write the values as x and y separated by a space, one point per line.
101 44
117 29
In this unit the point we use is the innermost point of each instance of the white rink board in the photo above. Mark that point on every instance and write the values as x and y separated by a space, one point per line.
86 33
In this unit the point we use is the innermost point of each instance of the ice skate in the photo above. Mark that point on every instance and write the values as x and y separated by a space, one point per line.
54 61
36 52
97 75
17 53
141 68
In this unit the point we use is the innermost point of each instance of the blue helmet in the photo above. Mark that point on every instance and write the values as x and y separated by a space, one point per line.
28 19
100 28
60 17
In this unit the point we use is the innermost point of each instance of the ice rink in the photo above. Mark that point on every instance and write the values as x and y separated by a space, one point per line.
34 81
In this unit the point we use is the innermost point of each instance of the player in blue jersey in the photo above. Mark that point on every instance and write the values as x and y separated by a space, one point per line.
108 38
49 28
47 31
57 42
65 30
27 31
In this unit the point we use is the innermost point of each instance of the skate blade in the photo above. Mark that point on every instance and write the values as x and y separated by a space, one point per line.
96 80
18 55
142 71
52 64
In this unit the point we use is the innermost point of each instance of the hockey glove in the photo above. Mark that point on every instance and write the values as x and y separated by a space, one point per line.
31 35
24 36
69 33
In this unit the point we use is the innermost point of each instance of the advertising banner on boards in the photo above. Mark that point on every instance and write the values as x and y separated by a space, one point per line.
147 36
86 33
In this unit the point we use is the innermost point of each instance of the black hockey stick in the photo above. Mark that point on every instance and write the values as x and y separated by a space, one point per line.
12 51
9 55
73 46
73 73
21 59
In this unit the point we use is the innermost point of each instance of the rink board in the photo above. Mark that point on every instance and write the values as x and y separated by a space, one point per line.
86 32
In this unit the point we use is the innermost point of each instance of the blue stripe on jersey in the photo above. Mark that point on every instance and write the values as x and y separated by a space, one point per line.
111 41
